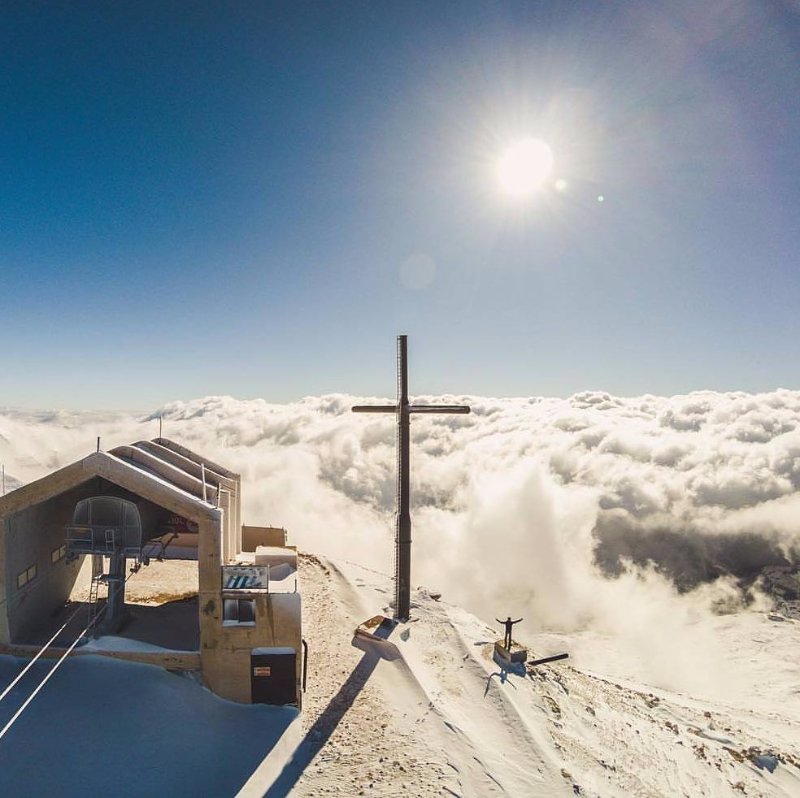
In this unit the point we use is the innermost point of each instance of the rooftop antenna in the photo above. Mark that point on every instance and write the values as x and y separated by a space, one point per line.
3 468
159 427
403 411
98 443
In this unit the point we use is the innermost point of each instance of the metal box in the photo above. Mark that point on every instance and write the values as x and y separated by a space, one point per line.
273 675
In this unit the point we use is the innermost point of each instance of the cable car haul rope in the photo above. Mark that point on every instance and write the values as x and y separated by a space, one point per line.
89 626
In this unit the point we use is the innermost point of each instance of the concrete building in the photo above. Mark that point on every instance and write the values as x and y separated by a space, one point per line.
123 508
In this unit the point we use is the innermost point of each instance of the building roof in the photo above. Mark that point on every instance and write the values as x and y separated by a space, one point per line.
160 471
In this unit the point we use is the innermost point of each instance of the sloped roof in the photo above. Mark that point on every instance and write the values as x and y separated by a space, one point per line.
170 452
195 458
132 468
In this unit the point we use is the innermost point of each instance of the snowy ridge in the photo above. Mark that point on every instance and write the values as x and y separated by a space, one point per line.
430 714
555 731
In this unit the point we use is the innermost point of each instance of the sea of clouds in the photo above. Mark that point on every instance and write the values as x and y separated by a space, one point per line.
594 512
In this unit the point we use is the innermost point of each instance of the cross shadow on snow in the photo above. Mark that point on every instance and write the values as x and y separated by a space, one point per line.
505 671
503 674
326 724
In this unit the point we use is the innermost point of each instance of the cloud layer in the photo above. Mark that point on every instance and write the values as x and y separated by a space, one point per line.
576 512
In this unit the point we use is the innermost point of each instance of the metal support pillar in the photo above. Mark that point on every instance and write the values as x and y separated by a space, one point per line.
115 610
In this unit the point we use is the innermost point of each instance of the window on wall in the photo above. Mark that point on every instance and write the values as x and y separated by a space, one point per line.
56 555
26 576
239 612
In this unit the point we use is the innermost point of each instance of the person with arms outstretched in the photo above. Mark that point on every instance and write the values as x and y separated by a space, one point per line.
508 623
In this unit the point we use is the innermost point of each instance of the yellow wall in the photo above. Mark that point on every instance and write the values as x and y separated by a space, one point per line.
253 536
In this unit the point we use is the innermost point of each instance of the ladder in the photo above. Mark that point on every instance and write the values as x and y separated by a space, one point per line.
94 588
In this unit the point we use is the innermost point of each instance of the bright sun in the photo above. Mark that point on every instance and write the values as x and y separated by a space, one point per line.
524 167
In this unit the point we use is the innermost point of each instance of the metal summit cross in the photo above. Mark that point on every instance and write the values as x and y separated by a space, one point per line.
402 529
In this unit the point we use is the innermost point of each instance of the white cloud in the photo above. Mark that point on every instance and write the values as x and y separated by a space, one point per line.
526 505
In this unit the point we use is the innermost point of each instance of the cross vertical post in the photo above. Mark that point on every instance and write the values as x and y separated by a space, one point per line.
402 565
403 411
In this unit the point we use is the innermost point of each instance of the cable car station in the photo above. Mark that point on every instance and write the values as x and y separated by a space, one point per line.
136 507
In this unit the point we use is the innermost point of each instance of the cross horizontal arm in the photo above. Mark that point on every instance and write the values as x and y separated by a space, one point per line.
374 409
461 409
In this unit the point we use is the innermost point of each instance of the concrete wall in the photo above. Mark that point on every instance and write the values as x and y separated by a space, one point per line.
5 526
253 536
30 537
225 650
171 660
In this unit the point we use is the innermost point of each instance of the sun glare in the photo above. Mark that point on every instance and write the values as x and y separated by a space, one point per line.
525 166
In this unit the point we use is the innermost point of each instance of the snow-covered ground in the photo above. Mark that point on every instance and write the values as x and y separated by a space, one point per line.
430 714
105 727
433 714
634 533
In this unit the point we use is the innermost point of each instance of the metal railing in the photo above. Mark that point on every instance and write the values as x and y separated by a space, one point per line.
100 539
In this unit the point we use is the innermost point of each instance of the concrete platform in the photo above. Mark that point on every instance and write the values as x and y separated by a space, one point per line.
174 625
169 660
379 627
517 656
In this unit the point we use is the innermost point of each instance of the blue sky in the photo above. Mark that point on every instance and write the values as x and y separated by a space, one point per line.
220 198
